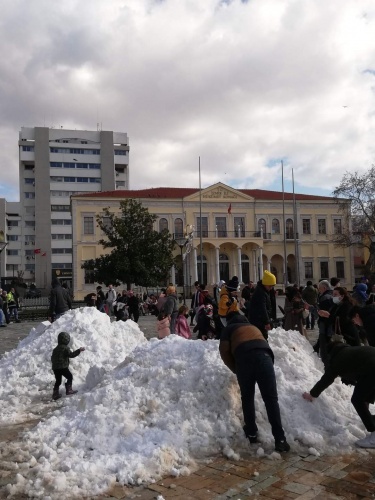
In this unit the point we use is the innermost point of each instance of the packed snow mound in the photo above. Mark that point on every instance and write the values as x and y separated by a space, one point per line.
171 402
26 372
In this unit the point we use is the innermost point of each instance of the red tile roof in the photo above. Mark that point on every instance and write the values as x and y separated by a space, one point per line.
173 193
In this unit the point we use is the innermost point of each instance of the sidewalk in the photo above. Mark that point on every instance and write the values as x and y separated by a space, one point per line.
294 476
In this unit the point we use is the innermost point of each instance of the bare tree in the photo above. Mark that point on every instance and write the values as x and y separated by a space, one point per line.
355 197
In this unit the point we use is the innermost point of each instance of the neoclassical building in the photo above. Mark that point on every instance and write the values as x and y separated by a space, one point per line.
229 232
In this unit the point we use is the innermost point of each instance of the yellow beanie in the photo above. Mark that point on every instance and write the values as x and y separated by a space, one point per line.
268 278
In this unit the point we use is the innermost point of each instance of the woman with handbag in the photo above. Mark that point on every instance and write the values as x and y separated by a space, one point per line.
295 310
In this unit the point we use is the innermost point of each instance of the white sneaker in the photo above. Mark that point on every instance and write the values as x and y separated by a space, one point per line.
367 442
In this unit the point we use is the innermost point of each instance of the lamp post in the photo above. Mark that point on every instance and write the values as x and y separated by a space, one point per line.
3 244
184 241
181 241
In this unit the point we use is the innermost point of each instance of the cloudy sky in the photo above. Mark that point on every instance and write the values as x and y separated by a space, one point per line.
240 84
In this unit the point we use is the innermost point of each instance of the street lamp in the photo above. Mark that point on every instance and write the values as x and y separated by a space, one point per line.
3 244
181 241
184 241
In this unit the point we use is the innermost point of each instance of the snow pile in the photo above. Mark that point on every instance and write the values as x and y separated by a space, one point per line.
26 374
170 403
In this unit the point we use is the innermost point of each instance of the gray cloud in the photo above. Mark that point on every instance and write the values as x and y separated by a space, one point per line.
237 83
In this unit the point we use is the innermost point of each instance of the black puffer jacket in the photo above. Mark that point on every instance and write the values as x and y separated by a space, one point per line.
260 309
351 363
367 315
60 300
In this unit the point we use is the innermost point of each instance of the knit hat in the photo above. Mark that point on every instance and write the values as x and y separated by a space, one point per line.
268 279
233 284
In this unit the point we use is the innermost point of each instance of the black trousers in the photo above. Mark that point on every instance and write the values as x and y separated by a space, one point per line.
255 366
59 374
363 394
134 315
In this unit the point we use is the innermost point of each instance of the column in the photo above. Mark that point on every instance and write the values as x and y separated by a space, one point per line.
255 267
194 269
239 267
173 275
260 263
217 264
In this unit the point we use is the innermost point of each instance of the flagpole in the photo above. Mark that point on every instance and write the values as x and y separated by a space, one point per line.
296 249
200 219
284 229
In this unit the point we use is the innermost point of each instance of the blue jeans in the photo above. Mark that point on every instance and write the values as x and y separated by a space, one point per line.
255 366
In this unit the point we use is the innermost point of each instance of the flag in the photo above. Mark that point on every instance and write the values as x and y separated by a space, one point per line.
44 254
230 208
37 250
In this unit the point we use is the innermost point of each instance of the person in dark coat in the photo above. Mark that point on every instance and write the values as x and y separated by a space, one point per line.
60 364
260 308
100 299
2 315
325 303
120 308
339 316
59 300
5 306
133 306
205 323
356 364
310 296
246 353
364 318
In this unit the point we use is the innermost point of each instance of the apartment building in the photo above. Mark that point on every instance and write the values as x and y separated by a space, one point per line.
55 163
242 232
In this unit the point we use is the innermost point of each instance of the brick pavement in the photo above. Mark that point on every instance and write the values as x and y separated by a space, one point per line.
294 476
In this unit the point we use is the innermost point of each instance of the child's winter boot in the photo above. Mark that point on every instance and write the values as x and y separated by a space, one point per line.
56 395
69 390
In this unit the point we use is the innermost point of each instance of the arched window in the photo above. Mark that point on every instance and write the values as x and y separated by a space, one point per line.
275 226
289 229
178 228
245 265
262 225
224 267
163 224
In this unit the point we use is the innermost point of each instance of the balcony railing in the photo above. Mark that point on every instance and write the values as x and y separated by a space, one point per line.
220 233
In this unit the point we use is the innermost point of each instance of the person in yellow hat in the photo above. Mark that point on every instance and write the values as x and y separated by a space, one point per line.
260 309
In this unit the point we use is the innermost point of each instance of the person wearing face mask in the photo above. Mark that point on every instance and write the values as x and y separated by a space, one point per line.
339 316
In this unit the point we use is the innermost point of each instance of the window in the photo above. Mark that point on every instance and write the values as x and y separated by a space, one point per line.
89 277
262 226
60 208
178 228
120 184
12 223
30 267
120 152
12 237
204 227
322 226
245 266
62 265
29 253
340 269
88 225
163 225
61 222
239 226
61 236
29 180
306 226
275 227
12 252
106 221
324 274
224 267
14 267
308 270
337 226
30 223
82 179
29 196
29 237
221 227
202 279
61 250
69 179
75 151
27 148
55 178
289 229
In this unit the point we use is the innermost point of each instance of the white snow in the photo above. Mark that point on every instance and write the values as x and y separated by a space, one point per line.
150 408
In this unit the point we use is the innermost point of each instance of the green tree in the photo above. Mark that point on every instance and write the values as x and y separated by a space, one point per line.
139 254
355 197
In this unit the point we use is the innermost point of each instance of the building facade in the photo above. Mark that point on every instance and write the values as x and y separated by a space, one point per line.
53 165
232 232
